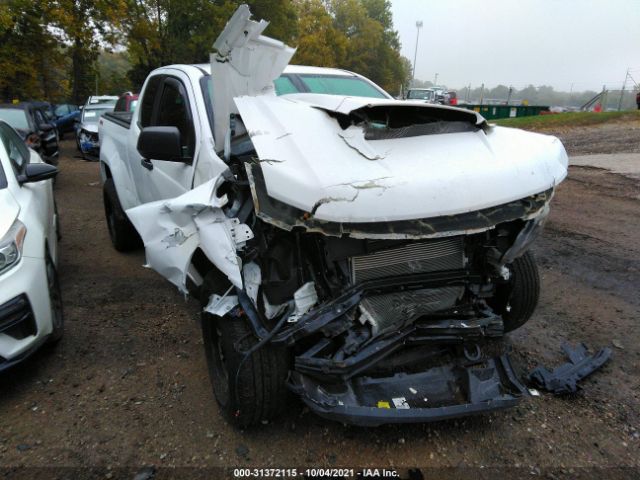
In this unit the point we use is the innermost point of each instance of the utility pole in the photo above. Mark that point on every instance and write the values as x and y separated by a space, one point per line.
624 84
415 57
510 93
435 81
481 93
570 94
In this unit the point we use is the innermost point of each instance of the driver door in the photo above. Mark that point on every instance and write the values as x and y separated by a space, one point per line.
157 179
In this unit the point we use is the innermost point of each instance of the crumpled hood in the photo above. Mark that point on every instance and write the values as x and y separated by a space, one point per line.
311 162
89 127
10 210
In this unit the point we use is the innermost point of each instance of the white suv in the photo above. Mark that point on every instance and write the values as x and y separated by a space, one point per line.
30 300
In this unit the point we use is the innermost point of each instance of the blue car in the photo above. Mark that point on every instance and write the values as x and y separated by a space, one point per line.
66 116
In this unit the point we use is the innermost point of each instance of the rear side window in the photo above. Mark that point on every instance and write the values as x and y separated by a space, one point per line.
148 99
14 146
173 111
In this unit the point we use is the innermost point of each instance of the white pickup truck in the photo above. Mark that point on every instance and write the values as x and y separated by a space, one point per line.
348 247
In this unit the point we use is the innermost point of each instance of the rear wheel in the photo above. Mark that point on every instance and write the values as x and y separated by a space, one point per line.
249 390
518 300
124 236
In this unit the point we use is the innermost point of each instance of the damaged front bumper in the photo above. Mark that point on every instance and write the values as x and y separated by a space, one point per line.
438 393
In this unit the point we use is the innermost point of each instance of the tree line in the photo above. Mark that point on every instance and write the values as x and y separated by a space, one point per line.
65 50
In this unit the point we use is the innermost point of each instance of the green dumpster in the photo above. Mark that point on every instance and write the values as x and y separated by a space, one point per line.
493 112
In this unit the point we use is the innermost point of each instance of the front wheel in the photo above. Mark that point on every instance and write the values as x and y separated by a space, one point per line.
517 300
249 390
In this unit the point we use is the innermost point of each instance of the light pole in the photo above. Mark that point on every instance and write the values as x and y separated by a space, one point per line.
415 57
435 82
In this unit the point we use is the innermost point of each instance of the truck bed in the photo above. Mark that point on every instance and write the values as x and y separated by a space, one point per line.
120 118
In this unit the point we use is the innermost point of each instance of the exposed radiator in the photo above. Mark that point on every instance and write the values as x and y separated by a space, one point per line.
429 256
394 310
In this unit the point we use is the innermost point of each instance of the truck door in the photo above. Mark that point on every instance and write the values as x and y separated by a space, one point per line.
169 105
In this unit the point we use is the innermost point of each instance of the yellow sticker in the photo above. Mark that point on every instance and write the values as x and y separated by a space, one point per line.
382 404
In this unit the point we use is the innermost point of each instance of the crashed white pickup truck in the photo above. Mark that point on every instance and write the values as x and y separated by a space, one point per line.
348 247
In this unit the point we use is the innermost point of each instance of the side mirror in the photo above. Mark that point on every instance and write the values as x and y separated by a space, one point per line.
161 143
46 127
35 172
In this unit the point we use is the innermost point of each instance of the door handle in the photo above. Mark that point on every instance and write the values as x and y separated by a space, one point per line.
146 164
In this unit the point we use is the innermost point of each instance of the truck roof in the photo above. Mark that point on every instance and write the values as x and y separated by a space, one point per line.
295 69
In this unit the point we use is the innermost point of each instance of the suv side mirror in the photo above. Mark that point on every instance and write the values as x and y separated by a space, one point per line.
36 172
161 143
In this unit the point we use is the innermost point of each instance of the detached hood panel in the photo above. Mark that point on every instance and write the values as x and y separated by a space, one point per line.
310 162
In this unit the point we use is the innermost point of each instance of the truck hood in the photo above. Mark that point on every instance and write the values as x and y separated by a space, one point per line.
314 158
10 210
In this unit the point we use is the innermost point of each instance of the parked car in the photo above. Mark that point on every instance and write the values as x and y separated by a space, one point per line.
351 248
35 129
30 300
87 138
66 117
101 99
127 102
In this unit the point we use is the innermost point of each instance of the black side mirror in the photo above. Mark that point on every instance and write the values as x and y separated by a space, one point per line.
46 127
161 143
36 172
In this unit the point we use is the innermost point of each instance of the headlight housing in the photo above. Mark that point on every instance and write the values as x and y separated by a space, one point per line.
11 246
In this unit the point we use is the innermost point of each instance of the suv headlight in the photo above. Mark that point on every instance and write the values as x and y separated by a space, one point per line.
11 246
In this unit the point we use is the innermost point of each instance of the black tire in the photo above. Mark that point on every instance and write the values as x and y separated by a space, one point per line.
522 296
260 393
124 236
55 297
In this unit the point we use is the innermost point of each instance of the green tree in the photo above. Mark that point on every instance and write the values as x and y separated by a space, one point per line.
86 26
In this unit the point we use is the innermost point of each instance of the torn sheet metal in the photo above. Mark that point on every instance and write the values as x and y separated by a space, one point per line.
312 160
245 63
565 378
173 229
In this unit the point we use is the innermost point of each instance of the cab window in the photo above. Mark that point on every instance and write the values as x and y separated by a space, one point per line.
173 111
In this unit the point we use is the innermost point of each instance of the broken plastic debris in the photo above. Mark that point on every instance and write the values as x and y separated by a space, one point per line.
413 390
565 378
382 404
305 298
533 392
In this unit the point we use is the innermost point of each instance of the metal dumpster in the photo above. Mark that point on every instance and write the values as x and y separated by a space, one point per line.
493 112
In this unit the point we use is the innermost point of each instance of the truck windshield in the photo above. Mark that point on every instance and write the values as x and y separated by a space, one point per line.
327 84
340 85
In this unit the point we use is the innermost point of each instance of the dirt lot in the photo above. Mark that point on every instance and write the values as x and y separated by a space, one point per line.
127 387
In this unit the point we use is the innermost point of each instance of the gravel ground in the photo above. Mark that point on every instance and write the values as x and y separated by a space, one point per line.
127 387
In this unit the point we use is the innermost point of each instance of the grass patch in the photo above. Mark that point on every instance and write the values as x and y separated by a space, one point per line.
568 119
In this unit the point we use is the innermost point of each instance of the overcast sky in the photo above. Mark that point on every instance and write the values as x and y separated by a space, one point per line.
519 42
